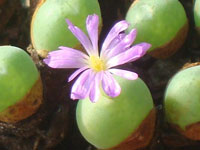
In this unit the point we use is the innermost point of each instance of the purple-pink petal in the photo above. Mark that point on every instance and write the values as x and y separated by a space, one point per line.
124 74
116 40
131 54
72 52
68 58
116 50
95 91
123 45
76 73
92 24
110 86
114 32
145 47
81 36
113 43
81 87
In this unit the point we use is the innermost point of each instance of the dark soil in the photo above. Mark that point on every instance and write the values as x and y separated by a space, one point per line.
54 127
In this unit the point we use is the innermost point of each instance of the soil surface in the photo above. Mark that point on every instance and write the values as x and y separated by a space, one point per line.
54 127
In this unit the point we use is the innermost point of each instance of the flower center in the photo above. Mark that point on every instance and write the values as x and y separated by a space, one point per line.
96 63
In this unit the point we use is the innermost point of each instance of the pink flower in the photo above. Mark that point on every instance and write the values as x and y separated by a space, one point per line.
96 69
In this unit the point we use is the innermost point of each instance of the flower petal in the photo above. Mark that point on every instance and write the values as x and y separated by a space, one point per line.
95 91
81 36
145 47
113 43
74 52
76 73
82 85
116 40
67 58
123 44
92 23
110 85
129 55
114 32
124 73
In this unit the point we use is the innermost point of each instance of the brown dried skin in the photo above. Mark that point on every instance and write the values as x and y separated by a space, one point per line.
192 131
42 53
33 5
142 136
188 65
26 106
171 47
172 139
39 2
133 3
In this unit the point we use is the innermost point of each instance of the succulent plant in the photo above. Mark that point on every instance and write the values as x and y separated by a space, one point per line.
161 23
197 14
20 85
182 102
49 28
121 123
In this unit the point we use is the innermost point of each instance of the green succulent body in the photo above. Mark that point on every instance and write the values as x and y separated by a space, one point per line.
110 121
197 13
18 74
49 28
157 21
182 98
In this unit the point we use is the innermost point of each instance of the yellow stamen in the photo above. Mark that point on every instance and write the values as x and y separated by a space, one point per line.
96 63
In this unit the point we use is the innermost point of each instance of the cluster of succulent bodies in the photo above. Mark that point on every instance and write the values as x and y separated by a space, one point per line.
21 87
115 104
